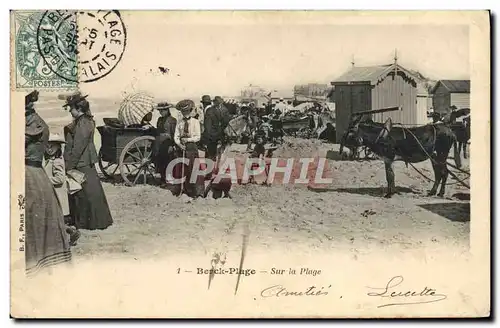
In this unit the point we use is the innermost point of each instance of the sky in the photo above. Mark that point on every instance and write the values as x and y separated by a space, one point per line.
219 55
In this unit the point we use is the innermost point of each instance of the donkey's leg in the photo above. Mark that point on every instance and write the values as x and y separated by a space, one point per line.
465 149
389 175
444 175
456 154
437 177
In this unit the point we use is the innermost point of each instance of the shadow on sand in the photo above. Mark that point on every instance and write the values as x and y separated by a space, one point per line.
370 191
456 212
335 156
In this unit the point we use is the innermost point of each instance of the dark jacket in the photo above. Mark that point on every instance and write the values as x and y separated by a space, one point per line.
216 120
36 137
80 149
166 127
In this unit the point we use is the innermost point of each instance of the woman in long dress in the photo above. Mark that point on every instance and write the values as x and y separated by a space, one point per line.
89 206
46 243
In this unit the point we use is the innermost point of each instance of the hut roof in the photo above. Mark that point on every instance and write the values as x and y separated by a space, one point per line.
372 74
454 86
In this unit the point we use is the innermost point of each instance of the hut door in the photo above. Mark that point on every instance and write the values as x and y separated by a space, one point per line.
360 98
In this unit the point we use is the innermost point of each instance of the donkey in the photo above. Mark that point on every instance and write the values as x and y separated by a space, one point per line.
411 145
461 129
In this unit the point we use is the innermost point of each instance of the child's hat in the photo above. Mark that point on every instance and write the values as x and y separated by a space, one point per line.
54 137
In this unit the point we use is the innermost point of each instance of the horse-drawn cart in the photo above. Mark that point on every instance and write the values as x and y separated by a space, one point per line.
127 151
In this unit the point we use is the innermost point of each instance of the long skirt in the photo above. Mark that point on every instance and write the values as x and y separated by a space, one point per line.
89 206
192 189
163 154
46 242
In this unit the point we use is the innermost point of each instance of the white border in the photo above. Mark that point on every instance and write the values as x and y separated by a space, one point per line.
199 4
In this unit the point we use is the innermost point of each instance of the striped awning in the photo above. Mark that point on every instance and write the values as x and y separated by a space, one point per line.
134 107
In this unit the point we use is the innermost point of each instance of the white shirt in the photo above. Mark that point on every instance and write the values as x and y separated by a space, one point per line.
199 110
194 133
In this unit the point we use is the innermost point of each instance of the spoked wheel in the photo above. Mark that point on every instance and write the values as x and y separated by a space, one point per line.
107 169
136 161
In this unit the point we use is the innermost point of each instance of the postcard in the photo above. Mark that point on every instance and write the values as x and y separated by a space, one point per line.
250 164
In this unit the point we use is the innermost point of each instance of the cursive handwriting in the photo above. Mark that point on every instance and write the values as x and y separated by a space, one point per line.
408 297
280 291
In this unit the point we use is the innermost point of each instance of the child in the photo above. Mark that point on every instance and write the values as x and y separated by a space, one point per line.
259 152
54 167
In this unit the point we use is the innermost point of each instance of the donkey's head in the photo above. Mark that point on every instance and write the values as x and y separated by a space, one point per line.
366 133
351 138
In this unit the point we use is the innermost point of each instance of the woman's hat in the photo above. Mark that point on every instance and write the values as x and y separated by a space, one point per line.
164 106
55 137
74 99
185 105
31 98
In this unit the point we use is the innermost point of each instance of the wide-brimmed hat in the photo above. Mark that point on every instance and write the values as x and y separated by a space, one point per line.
55 137
206 99
31 98
74 99
164 106
185 105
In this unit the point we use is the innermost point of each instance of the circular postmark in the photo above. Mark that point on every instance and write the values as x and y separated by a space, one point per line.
57 43
102 39
82 52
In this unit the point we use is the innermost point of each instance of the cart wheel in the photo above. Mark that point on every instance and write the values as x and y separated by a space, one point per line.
136 160
107 169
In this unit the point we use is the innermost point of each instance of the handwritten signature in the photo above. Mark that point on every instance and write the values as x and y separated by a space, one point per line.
279 291
409 297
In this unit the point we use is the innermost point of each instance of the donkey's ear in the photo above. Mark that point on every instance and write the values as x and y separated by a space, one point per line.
356 118
384 133
388 125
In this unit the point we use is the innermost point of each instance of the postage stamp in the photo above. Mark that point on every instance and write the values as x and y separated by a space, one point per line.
34 68
250 164
57 49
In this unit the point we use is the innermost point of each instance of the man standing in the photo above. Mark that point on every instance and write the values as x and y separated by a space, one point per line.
187 134
163 147
289 106
216 120
206 102
253 120
280 108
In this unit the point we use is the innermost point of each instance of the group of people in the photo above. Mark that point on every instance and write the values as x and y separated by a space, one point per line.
63 193
181 137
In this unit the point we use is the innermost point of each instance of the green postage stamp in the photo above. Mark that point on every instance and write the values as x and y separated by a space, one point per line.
45 50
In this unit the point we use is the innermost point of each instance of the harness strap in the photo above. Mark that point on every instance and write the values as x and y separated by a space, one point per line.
422 147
